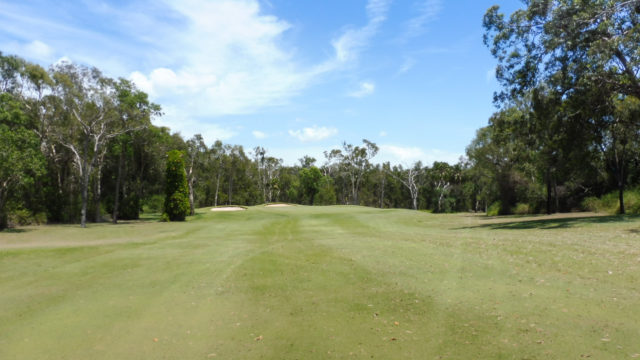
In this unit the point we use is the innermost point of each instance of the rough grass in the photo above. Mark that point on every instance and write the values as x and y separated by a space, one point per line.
324 282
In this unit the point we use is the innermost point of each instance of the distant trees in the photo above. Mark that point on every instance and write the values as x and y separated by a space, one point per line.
411 178
353 162
567 128
310 179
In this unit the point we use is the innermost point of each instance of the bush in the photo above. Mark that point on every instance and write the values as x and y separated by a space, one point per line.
176 202
609 203
154 204
494 209
522 209
129 208
326 194
177 207
22 217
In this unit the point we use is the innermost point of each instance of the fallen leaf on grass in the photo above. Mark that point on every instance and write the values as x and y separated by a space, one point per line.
155 339
259 338
396 323
393 339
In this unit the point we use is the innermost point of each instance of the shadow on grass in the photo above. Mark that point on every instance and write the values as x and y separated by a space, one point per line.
14 231
554 223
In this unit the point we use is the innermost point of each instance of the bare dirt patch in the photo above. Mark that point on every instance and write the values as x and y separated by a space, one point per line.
228 208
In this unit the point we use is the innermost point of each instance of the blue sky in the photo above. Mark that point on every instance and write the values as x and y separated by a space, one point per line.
294 76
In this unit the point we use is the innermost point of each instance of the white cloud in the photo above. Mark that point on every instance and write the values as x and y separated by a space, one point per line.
409 155
188 127
258 134
314 133
34 50
348 46
39 50
366 88
428 11
202 58
407 65
231 60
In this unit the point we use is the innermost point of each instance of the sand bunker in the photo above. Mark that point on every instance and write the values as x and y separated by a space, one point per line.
228 208
278 205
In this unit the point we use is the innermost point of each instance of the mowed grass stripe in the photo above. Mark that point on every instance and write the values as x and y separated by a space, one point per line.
328 282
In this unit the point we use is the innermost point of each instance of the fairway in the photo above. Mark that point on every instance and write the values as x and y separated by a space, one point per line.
324 282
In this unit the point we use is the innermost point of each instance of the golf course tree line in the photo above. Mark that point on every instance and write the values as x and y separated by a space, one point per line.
568 123
77 146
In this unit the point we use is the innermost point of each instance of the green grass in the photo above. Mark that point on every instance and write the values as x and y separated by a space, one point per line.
324 282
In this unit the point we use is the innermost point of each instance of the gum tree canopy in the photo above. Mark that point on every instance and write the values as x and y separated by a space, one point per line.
586 55
569 44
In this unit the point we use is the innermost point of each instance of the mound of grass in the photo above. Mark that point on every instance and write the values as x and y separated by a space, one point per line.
324 282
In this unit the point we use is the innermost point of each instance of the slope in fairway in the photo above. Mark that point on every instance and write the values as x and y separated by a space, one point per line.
328 282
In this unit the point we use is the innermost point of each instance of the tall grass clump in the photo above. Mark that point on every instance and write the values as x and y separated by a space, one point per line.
609 204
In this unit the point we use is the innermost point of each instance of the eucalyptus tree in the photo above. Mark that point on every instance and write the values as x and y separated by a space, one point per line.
501 157
268 168
569 44
586 53
196 156
217 155
618 138
134 111
353 162
259 155
91 120
411 178
307 161
271 175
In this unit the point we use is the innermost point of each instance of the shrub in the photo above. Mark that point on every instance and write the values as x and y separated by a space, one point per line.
522 209
176 202
22 217
154 204
494 209
129 208
609 203
326 194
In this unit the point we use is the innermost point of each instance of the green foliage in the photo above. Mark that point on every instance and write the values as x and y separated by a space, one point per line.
20 158
154 204
521 209
494 209
129 207
176 204
326 193
609 204
310 183
22 217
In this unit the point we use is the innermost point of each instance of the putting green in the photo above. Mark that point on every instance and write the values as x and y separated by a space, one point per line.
324 282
